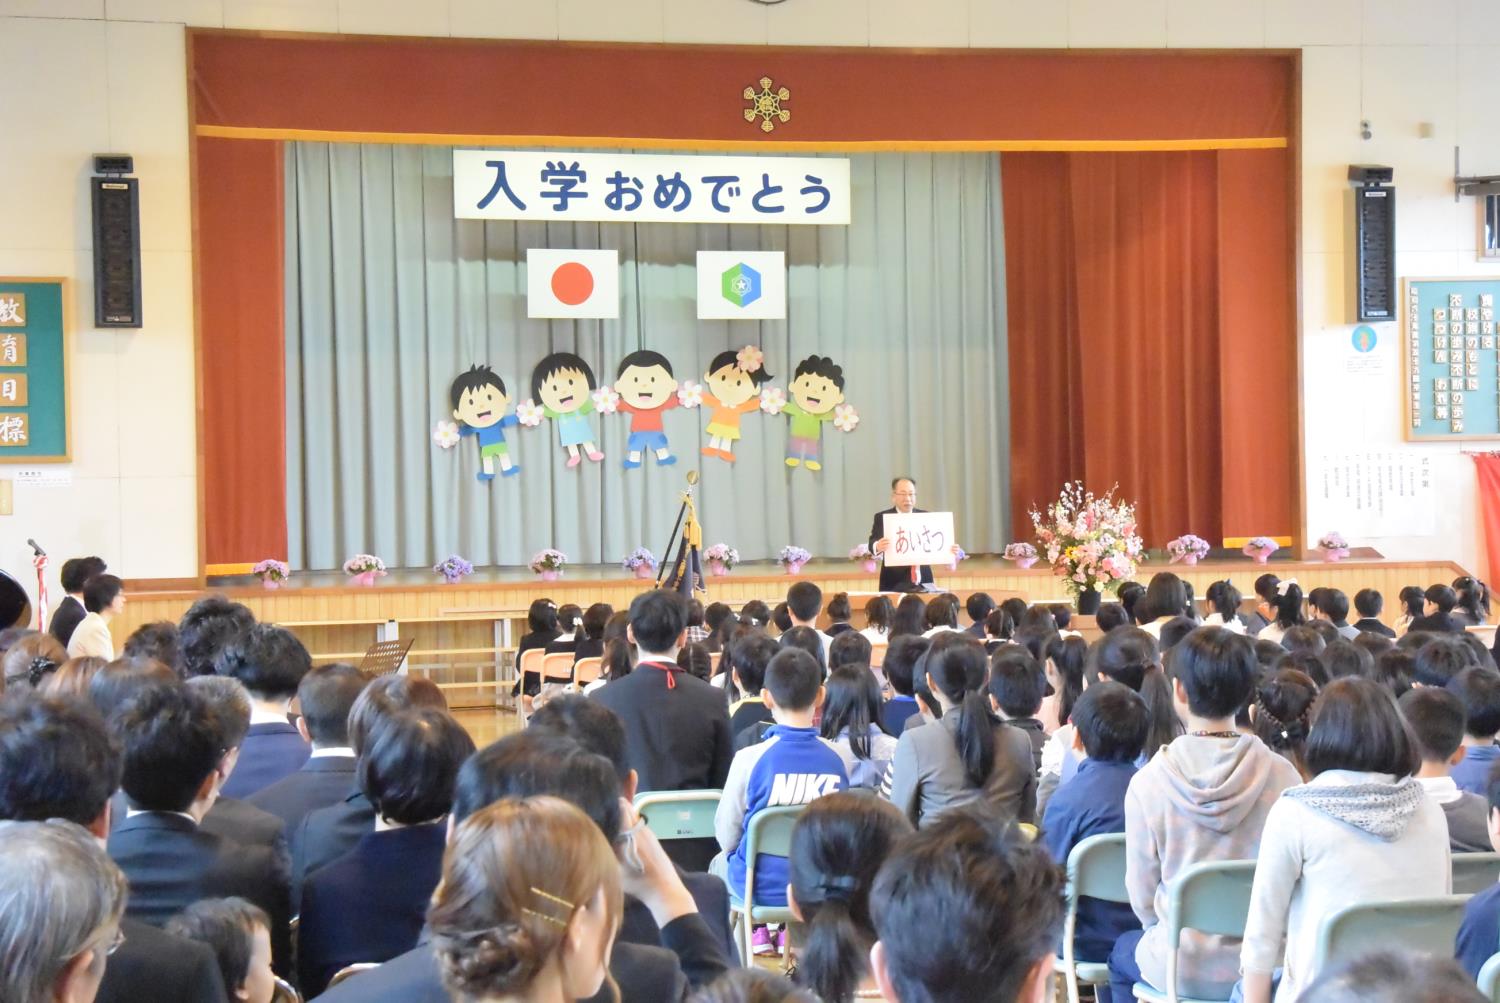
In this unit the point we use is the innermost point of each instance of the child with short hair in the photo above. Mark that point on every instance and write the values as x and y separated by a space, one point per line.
900 662
979 606
1480 931
240 936
1110 722
748 658
1436 719
1478 688
1017 686
1369 604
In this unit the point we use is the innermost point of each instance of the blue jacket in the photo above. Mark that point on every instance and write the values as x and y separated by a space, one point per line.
1479 934
1092 803
268 753
1472 773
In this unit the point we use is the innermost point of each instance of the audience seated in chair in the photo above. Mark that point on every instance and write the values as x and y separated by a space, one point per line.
230 817
270 662
1436 719
239 934
325 697
1478 688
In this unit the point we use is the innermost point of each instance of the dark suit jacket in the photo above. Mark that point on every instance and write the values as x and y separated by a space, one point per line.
676 738
69 612
1368 625
897 579
710 895
644 974
322 781
171 863
326 834
1437 623
154 965
368 905
268 753
247 824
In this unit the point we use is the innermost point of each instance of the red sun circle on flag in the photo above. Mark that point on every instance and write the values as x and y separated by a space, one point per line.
572 283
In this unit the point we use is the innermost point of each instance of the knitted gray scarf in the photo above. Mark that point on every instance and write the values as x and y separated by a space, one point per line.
1382 810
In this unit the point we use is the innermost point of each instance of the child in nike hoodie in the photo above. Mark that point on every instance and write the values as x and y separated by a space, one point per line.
1361 830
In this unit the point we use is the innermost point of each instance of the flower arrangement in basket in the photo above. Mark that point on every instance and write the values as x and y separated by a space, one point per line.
791 559
1188 549
453 569
549 563
1023 554
641 562
1334 546
1090 540
271 572
1260 548
720 558
865 558
363 569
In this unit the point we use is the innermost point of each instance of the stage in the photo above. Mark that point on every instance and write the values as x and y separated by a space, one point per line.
465 635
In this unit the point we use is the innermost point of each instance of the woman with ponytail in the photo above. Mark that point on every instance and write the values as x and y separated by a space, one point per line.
1286 611
1473 609
966 754
837 847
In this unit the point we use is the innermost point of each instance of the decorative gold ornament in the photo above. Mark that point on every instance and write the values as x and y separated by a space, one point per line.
766 105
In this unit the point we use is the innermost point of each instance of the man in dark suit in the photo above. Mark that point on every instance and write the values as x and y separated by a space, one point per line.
57 762
76 571
325 695
270 662
230 817
174 766
903 578
371 903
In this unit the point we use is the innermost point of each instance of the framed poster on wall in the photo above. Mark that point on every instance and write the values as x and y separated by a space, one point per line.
35 425
1451 385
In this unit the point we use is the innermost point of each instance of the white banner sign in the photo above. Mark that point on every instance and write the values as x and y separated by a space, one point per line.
1372 494
919 538
741 285
652 188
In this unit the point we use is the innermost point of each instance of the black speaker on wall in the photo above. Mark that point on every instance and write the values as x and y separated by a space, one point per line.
117 244
1374 242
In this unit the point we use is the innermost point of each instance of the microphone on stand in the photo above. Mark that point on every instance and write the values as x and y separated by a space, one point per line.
35 547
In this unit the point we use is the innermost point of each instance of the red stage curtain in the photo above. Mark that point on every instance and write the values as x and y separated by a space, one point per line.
1138 353
1487 467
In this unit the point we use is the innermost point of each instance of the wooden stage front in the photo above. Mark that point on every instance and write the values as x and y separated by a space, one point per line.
465 635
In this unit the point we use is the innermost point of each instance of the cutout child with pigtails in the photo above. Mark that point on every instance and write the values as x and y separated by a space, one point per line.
562 386
733 384
817 396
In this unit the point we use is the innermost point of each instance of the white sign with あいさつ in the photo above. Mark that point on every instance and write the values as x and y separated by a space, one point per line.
918 538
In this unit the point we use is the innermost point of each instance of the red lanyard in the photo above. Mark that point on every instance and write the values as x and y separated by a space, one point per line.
666 667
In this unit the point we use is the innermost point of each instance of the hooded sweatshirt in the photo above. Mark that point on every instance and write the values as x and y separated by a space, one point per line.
1341 839
1199 799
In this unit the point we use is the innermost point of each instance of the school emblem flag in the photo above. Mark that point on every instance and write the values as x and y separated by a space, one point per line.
748 285
572 283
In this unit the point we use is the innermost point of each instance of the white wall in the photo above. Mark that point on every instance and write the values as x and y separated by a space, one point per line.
79 77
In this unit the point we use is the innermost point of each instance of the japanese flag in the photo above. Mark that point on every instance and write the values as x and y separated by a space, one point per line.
572 283
748 285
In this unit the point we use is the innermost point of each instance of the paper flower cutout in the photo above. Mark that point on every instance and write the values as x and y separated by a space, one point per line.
845 417
772 400
606 400
530 413
749 358
445 434
690 394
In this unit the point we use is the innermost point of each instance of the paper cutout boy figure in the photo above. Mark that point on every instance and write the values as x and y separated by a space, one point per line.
817 388
479 405
647 388
563 383
733 384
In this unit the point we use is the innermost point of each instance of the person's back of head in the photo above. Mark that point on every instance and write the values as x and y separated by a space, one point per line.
1441 596
73 678
849 648
1224 599
1268 652
794 679
1015 607
838 844
1412 599
1283 709
658 620
1017 682
1266 587
1473 598
1303 637
1216 670
979 606
120 680
852 704
1111 616
239 934
1393 976
1174 631
205 629
568 615
806 639
942 611
1062 616
748 658
1324 629
957 669
781 618
57 760
752 985
1130 595
878 613
589 723
1357 726
1305 662
541 616
839 608
1287 605
997 626
1344 658
1372 643
228 702
1036 638
172 744
1479 654
1112 722
529 886
326 695
901 658
803 601
1439 660
28 662
1164 598
410 765
268 660
1436 720
715 614
153 640
384 696
910 617
1394 670
1067 656
1038 618
967 909
76 572
61 899
756 612
594 619
1478 689
528 764
695 660
1335 606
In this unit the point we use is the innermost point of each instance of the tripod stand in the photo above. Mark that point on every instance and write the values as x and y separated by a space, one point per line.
687 567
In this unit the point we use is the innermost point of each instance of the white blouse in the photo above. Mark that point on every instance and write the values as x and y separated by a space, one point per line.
91 638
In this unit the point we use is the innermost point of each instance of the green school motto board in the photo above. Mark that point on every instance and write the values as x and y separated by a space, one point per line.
34 424
1452 384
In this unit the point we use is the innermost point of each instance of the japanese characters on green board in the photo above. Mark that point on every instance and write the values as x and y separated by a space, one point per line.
33 371
1452 363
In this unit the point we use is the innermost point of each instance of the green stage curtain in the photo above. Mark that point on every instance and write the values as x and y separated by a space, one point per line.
388 297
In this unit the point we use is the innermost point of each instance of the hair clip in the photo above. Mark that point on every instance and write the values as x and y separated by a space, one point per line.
1284 585
564 903
544 916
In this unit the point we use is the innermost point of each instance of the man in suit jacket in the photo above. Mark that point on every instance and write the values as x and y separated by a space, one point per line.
76 571
371 903
230 817
903 578
270 662
325 695
174 765
56 761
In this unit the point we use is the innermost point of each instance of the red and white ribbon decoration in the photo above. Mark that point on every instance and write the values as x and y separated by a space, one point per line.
40 563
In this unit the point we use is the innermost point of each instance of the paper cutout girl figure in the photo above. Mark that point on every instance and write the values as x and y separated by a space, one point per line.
817 388
733 384
563 383
479 405
647 389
